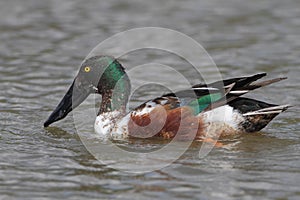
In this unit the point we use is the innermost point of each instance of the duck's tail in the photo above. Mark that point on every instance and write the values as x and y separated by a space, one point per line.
256 114
257 120
236 87
269 110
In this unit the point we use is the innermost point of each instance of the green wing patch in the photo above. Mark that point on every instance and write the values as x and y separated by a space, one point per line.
201 103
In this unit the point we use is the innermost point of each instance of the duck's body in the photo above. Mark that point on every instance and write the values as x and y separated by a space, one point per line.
179 122
153 119
204 110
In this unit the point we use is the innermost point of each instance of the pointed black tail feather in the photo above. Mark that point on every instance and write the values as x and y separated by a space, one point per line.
240 86
257 114
244 81
237 87
239 82
231 88
253 86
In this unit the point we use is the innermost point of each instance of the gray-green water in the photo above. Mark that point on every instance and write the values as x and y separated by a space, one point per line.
42 45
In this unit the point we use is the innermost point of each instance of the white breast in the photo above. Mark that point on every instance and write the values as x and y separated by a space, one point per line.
110 125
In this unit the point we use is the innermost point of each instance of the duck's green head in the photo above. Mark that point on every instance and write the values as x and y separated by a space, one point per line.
99 74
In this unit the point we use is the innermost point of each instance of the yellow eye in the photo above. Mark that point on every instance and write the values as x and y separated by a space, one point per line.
87 69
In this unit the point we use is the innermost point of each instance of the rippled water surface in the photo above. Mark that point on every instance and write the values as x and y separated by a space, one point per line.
42 46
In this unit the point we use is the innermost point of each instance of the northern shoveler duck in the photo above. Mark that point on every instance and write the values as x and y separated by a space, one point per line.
204 110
